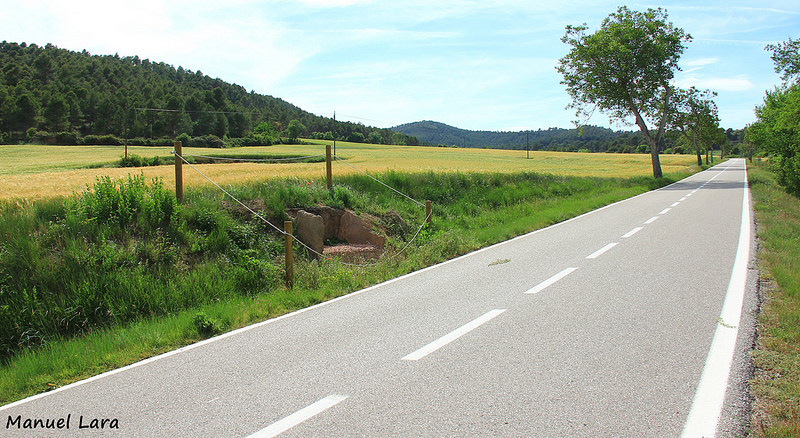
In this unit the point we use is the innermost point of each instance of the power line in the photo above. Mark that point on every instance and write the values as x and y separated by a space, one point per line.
164 110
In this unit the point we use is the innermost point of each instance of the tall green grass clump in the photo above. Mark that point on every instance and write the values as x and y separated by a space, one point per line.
119 251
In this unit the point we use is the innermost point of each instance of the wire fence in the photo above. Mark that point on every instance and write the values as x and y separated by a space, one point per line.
283 232
255 160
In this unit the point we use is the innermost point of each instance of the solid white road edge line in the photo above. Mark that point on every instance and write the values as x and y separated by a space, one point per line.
600 251
550 281
708 400
632 232
298 417
455 334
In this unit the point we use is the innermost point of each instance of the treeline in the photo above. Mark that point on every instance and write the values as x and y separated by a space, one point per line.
777 128
585 139
52 95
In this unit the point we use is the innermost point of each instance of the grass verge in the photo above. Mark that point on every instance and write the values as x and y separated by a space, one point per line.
776 410
114 275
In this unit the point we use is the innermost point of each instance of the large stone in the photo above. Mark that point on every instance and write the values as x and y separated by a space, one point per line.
310 229
332 217
353 230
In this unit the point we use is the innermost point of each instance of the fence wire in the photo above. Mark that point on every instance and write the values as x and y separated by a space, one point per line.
255 160
283 232
381 182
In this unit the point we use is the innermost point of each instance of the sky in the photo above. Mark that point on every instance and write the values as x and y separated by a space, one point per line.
478 65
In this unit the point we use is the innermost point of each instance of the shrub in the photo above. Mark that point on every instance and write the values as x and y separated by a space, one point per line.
208 141
206 326
105 140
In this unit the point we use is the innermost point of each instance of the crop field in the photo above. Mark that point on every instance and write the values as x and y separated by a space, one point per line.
35 171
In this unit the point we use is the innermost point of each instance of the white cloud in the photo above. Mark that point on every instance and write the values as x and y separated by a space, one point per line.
701 62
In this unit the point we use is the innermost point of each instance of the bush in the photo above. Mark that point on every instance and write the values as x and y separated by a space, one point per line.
185 139
207 141
206 326
104 140
67 138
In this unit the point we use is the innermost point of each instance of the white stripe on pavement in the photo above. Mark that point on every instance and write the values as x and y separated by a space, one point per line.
452 336
549 282
600 251
298 417
632 232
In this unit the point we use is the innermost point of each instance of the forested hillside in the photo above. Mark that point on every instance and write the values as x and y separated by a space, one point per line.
52 95
588 139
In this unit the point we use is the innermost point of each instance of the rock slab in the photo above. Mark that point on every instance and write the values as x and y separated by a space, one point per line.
310 229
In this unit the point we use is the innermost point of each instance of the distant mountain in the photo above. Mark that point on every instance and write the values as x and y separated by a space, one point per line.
589 138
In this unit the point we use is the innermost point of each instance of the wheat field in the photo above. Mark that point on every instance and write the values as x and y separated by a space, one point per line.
36 171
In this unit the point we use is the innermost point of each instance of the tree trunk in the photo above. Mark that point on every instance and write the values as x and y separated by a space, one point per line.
655 159
697 149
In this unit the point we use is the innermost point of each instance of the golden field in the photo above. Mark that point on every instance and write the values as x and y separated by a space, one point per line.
35 171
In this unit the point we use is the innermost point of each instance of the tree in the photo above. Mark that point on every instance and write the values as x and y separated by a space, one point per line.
695 115
777 128
375 137
56 114
24 113
294 130
786 56
624 70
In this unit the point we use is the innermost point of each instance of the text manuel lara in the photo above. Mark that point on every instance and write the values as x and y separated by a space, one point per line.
61 423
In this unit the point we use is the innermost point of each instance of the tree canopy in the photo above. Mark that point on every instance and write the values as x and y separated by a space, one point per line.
777 128
624 70
694 114
786 56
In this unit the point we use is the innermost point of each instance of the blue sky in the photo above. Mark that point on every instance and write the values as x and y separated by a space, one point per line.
480 65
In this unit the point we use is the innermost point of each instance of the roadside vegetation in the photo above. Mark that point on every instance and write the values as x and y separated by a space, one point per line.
776 410
120 271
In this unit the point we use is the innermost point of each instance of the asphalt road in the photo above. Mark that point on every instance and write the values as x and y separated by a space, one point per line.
598 326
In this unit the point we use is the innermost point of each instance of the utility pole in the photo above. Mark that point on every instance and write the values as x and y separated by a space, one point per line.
334 133
527 145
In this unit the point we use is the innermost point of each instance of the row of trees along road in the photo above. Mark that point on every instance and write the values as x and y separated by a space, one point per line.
777 128
625 70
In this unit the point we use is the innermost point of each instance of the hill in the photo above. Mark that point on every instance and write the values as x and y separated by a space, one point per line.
590 138
54 95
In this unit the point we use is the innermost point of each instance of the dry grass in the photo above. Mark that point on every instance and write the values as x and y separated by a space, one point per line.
32 171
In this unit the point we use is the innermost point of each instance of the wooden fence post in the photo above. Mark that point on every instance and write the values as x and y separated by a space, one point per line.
428 211
328 171
289 278
178 170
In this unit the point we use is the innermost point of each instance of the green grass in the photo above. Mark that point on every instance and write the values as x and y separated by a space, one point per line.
120 272
777 354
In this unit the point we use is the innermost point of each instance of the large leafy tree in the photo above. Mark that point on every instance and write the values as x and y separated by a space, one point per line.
786 56
777 128
294 130
624 69
695 115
